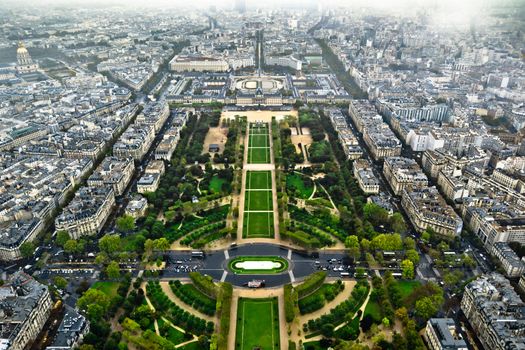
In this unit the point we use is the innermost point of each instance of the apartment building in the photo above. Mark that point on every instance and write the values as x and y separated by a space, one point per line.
87 213
404 173
495 312
427 209
25 306
115 172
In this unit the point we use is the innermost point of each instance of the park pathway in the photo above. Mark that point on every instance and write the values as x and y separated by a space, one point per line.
297 325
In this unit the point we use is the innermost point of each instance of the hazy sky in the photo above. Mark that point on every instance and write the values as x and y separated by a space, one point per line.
451 4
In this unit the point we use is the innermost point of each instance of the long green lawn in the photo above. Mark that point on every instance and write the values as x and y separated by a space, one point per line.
258 180
258 200
258 205
259 155
258 225
258 141
259 144
257 324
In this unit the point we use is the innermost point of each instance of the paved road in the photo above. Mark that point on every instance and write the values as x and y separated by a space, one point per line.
180 263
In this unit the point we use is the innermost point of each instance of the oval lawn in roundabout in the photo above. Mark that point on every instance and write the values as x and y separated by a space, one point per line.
258 265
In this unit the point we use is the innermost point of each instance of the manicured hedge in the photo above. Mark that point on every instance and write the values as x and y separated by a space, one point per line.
338 314
203 231
310 284
223 309
318 299
194 297
323 223
194 223
204 284
174 313
323 237
290 302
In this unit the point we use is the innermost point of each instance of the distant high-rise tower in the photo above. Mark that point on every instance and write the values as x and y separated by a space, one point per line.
240 6
25 62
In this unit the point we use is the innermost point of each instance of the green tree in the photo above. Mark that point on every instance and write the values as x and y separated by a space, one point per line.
93 297
162 244
409 243
62 238
352 244
397 222
412 255
126 223
327 330
60 282
387 242
375 214
365 244
71 246
109 243
426 308
407 268
27 249
113 270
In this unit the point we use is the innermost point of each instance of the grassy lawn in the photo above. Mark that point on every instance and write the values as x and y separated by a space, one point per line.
314 345
373 309
173 335
295 182
258 225
258 200
257 324
108 288
258 141
259 144
283 265
216 184
258 180
406 287
192 346
258 155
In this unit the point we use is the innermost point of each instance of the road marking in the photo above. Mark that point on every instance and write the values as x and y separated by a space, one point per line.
289 256
226 254
292 277
224 274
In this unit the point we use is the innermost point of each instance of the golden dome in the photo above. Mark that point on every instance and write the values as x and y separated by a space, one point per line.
21 48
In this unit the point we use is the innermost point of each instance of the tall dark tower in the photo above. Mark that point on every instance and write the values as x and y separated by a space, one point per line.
240 6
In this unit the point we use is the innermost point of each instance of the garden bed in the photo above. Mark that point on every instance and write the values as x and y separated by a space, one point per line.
256 265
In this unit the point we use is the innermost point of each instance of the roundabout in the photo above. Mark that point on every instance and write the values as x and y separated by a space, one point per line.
258 265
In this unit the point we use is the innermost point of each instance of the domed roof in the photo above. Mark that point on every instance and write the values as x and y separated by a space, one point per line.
21 48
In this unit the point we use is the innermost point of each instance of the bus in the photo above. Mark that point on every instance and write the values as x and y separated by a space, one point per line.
397 274
197 254
345 274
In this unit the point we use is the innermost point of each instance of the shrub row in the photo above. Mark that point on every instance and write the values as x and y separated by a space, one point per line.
223 309
204 284
301 238
338 314
311 284
203 231
209 217
290 302
318 299
323 237
194 297
324 224
176 315
211 237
